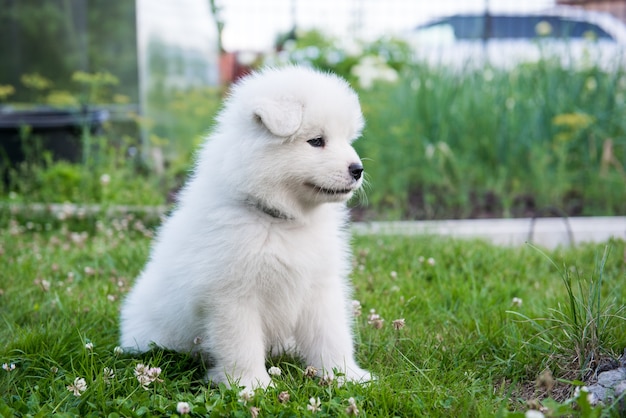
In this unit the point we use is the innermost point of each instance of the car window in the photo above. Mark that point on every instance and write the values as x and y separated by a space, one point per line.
439 33
475 27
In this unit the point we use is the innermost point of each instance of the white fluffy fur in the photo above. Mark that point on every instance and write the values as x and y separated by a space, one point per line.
256 254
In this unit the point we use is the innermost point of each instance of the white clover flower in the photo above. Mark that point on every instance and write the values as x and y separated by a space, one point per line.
183 408
352 408
246 395
8 367
283 397
118 350
398 324
533 413
580 389
431 261
140 369
105 179
314 405
146 375
79 238
144 381
89 346
591 397
153 374
517 302
327 379
78 387
394 275
310 371
356 308
375 320
107 375
254 411
274 371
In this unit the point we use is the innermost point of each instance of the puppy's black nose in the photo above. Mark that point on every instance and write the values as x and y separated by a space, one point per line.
355 171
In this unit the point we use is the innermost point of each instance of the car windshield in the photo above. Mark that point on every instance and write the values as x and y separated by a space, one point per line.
469 27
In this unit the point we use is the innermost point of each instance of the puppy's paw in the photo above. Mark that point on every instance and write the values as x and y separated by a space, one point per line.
357 375
341 375
248 381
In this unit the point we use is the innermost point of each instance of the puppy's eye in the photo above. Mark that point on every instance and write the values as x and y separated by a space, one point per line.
317 142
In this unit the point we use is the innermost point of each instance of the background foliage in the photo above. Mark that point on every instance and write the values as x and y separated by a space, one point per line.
539 139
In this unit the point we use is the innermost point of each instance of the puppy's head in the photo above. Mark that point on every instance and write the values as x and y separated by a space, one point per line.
296 129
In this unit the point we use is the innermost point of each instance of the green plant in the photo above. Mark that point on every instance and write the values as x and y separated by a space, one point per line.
95 85
493 142
578 405
580 331
6 90
110 177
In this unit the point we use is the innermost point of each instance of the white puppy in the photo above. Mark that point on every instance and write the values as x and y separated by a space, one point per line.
256 254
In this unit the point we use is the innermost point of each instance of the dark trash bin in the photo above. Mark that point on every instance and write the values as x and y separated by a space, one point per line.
57 131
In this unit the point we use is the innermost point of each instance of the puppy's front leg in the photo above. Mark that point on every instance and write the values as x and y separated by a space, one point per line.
324 335
236 345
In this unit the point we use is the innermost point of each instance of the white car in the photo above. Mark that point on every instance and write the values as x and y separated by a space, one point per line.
575 36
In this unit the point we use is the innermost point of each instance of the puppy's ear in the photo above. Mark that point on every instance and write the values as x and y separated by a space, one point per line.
281 117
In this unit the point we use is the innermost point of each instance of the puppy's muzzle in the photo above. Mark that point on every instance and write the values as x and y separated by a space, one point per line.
355 170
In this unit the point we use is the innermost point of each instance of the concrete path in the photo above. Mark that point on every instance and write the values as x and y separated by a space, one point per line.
545 232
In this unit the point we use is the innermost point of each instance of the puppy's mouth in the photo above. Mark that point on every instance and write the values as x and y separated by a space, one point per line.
332 192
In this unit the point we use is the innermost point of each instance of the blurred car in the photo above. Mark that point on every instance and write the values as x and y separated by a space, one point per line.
575 36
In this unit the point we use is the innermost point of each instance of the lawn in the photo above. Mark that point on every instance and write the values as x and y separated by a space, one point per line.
470 344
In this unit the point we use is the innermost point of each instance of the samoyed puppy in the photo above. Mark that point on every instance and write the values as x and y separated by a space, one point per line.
255 257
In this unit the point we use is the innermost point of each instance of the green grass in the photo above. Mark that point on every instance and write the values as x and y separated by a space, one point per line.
461 353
